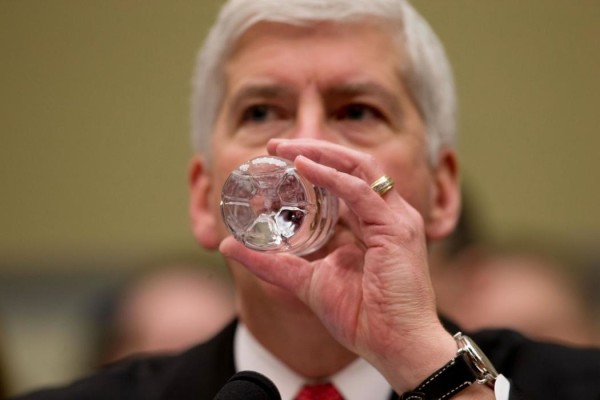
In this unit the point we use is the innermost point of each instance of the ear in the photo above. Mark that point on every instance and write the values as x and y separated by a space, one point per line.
445 196
202 212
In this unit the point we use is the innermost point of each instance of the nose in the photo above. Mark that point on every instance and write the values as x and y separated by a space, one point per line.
311 117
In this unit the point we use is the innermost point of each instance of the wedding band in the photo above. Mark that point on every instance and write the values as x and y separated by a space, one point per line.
382 185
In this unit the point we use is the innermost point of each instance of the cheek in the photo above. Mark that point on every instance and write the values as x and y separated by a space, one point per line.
416 190
228 154
412 177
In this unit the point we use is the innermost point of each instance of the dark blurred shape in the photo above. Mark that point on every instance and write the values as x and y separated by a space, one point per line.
3 377
248 385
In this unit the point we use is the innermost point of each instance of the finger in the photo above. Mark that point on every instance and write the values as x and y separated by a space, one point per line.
339 157
356 193
294 277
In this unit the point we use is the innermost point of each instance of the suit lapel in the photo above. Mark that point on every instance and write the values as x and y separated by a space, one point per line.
203 370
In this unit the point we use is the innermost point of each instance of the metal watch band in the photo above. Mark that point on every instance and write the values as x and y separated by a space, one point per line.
444 383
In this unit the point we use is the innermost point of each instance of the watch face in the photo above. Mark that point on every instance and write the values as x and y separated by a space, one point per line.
483 366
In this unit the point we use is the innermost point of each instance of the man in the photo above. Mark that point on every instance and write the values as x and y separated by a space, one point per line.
353 92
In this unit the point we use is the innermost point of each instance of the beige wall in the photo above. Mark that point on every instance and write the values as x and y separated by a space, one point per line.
528 75
94 121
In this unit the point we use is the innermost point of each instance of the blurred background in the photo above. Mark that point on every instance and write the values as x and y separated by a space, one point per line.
94 153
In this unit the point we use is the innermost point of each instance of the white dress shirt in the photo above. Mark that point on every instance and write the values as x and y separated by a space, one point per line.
358 381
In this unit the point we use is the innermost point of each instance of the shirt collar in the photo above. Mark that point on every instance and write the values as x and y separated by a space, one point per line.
358 381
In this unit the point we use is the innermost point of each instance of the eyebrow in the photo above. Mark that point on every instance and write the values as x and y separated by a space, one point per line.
261 91
273 91
367 88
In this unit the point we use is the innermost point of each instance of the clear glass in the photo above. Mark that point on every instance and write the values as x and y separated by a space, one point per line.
268 206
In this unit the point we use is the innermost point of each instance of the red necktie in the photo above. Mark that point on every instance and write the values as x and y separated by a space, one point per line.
324 391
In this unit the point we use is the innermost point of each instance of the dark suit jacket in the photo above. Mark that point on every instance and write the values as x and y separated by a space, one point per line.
537 370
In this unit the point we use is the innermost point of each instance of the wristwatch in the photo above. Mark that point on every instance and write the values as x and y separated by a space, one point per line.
469 366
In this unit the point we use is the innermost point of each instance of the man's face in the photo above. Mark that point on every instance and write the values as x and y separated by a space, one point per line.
336 82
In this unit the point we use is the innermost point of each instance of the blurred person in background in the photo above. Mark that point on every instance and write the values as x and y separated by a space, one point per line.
164 310
481 285
517 289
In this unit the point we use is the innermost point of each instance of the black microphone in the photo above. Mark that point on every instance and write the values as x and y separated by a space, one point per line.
248 385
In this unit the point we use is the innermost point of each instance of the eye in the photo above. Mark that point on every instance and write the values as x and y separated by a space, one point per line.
357 112
258 113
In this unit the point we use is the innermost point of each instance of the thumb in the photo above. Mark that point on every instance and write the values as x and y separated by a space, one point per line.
284 270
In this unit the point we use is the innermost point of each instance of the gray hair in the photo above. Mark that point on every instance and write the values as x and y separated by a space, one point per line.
428 73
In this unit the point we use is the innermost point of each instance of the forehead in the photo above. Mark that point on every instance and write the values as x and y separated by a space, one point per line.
318 51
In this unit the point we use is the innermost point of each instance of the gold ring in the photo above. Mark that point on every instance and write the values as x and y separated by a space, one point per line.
382 185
